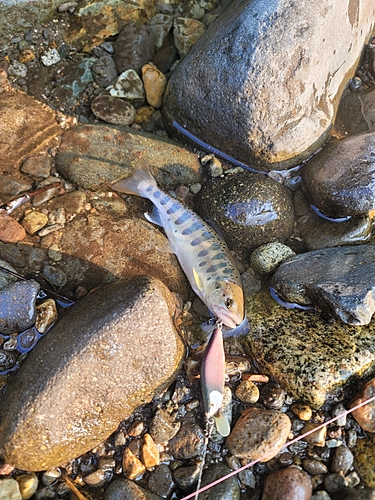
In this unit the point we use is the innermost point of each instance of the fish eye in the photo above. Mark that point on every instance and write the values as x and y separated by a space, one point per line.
229 303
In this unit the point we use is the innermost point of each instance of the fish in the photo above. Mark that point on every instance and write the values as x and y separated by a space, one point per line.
213 380
204 257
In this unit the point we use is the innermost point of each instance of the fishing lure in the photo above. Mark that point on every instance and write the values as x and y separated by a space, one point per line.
17 202
203 255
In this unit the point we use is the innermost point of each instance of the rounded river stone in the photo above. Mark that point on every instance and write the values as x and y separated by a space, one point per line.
249 210
287 484
109 354
17 306
340 180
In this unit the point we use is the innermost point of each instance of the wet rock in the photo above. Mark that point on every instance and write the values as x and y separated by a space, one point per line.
248 209
22 117
354 494
314 467
267 258
318 233
38 166
337 281
186 477
123 488
340 179
258 107
9 489
90 155
132 467
188 442
113 110
27 484
149 452
186 33
302 411
350 119
259 434
6 278
272 396
94 22
163 427
317 438
111 375
76 78
134 47
50 57
334 482
17 306
11 231
365 416
160 481
342 460
128 86
33 221
364 456
226 490
104 71
154 83
287 484
46 315
8 360
90 247
291 346
368 108
98 478
41 198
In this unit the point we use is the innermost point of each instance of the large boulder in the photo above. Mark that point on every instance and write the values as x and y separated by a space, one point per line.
264 82
111 353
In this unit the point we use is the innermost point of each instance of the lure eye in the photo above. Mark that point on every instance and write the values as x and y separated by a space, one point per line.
229 303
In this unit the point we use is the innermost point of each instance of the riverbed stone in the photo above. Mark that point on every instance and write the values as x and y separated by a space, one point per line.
259 434
339 282
287 484
364 456
236 91
26 125
17 306
99 247
365 415
124 488
340 179
226 490
91 155
113 110
112 352
248 209
310 358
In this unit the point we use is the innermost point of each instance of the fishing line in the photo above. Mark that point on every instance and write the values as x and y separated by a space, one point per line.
237 471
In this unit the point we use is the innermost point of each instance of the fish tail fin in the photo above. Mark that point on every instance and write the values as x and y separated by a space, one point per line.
130 185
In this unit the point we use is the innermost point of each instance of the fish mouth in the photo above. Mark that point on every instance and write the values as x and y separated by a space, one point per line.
228 320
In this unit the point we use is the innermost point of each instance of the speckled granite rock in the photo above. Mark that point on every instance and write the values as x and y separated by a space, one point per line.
91 155
111 353
340 179
249 209
236 91
364 457
337 281
310 358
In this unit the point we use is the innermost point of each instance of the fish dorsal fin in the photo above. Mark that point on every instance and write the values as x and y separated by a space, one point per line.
222 424
197 279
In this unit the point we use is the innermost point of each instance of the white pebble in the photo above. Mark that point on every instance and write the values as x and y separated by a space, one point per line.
50 57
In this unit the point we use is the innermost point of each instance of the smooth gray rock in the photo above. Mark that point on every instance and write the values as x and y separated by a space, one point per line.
237 91
17 306
122 488
248 209
340 180
112 352
226 490
339 282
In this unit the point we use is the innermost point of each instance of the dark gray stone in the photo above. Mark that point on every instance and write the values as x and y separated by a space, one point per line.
237 91
340 180
134 47
188 442
113 110
104 71
354 494
248 209
112 352
226 490
17 306
339 282
120 489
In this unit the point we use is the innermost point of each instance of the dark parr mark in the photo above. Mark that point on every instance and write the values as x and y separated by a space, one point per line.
182 218
173 208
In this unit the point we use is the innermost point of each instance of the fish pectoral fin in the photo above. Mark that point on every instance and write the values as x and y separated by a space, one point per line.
222 424
197 279
154 217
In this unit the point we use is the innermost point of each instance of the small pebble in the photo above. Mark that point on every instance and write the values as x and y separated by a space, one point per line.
272 396
247 392
287 484
185 477
163 427
39 166
352 479
342 460
150 452
128 85
334 482
338 410
154 83
106 463
113 110
50 57
333 443
188 442
314 467
317 438
18 69
321 495
46 316
132 467
98 479
226 490
104 71
55 275
33 221
302 411
17 306
136 428
67 7
10 230
267 258
9 489
351 438
160 481
28 484
50 476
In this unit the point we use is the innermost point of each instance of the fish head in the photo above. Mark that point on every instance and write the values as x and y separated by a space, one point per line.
227 303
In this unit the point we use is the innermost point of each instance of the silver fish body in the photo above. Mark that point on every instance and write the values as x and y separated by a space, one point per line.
203 255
